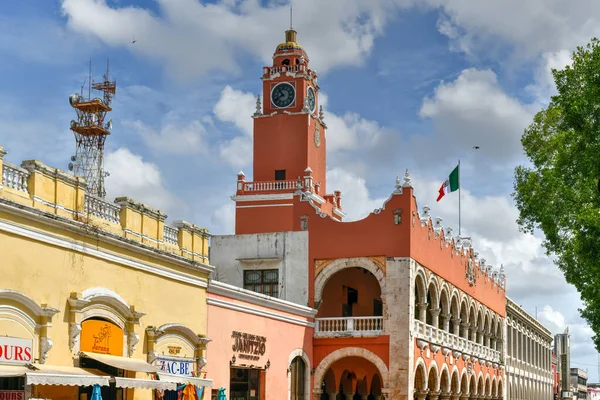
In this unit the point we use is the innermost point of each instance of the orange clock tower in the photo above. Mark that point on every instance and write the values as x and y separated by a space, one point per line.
290 147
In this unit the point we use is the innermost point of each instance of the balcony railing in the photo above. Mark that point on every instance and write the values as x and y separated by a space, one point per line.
14 177
438 336
171 235
268 186
102 209
348 326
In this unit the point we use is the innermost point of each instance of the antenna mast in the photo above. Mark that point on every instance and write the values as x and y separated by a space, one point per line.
291 15
91 131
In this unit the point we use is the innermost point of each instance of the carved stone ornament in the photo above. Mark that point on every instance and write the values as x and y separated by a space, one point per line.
132 340
470 272
152 355
74 331
258 106
45 346
317 135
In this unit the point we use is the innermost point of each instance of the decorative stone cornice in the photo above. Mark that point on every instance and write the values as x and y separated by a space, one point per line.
191 227
126 202
53 173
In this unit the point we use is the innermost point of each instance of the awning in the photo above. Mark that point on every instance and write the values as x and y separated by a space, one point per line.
181 379
10 371
65 376
129 364
144 384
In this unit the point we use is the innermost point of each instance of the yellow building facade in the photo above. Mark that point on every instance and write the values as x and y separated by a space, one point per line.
93 292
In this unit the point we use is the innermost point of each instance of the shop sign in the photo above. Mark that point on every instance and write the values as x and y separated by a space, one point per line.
15 350
249 347
171 366
12 394
101 337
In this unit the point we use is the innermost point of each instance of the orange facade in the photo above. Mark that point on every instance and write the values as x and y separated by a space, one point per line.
400 300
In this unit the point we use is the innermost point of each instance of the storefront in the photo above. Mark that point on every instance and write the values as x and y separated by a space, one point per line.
261 348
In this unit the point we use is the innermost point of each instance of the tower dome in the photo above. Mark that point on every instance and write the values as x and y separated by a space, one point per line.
290 43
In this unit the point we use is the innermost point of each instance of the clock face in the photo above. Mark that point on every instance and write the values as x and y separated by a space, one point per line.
283 95
312 99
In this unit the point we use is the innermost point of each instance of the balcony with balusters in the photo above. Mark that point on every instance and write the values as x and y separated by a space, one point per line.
351 306
47 191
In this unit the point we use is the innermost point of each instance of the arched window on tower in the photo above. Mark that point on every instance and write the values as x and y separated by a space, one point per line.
298 374
285 62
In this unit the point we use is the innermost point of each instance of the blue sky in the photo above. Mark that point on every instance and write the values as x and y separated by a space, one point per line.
406 84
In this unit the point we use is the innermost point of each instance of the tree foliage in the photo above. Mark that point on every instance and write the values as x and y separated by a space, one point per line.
558 192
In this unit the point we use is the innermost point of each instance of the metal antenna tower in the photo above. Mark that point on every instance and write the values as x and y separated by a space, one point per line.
91 131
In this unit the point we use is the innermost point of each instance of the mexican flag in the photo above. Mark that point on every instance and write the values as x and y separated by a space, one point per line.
450 185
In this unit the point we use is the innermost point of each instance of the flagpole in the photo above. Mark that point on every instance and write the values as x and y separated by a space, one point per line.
459 196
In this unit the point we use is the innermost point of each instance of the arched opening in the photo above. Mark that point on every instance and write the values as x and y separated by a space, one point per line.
472 324
445 306
464 320
454 325
445 381
298 377
420 299
472 386
488 388
464 384
455 383
480 324
352 292
432 380
480 386
375 388
420 381
356 379
285 61
433 305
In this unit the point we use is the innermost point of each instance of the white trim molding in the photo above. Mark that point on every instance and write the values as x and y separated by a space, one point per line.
266 205
263 197
260 299
255 311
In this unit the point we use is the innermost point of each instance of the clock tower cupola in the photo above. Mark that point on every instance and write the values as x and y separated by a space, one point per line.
290 146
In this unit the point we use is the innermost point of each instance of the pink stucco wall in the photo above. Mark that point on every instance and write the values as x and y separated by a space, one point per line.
282 338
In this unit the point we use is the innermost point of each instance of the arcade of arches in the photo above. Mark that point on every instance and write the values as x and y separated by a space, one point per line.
433 385
352 378
449 310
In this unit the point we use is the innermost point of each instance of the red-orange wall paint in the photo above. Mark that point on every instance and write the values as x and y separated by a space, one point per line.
378 345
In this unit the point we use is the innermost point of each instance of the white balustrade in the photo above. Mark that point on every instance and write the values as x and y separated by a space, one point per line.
438 336
286 68
269 186
171 235
14 177
102 209
348 326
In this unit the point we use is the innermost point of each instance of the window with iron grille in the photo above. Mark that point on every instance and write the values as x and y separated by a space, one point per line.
265 281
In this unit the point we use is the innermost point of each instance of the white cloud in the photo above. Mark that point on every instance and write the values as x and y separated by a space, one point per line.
531 28
224 218
543 86
473 110
357 202
236 107
133 177
338 32
172 138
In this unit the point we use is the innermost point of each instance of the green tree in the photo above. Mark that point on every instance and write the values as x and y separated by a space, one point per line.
558 192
